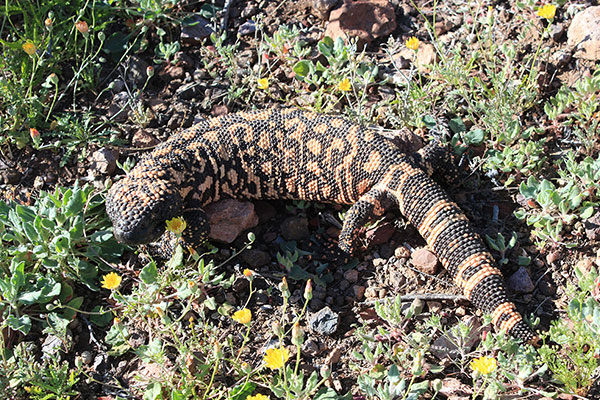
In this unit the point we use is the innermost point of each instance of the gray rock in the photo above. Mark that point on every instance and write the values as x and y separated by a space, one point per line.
324 321
104 162
194 29
256 258
249 11
247 28
359 292
117 85
592 227
558 32
295 228
86 357
351 275
119 110
584 34
310 347
10 176
136 71
520 281
321 8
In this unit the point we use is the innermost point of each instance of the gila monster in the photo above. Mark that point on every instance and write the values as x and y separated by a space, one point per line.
294 154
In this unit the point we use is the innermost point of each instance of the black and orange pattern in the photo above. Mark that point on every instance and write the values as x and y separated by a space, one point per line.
293 154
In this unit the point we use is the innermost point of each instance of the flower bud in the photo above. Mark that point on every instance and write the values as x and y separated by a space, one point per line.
308 290
284 288
297 334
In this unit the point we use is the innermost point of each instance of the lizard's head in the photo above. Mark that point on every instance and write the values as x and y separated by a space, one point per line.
138 208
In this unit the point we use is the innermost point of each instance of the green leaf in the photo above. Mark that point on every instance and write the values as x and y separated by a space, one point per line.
21 324
527 191
153 391
240 392
297 273
328 394
116 338
457 125
149 273
587 212
523 260
76 202
177 258
326 46
73 305
302 68
100 317
44 290
475 136
429 121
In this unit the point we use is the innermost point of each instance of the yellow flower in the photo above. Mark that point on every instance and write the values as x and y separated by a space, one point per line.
258 397
247 273
176 225
82 27
412 43
276 358
29 47
263 83
242 316
34 133
484 365
111 281
547 11
344 85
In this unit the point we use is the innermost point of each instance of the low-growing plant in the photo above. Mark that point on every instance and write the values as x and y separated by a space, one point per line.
555 206
44 379
575 109
517 161
570 347
49 51
49 247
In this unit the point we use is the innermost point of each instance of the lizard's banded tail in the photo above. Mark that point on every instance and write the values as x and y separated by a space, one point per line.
460 250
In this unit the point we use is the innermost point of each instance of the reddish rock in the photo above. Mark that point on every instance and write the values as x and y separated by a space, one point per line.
365 19
380 234
426 56
359 292
425 261
219 110
142 139
229 217
170 72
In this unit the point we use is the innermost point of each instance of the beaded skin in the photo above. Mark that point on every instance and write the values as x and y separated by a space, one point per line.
294 154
